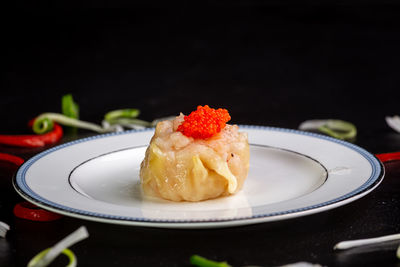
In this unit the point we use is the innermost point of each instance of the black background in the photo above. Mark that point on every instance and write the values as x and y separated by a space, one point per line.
268 63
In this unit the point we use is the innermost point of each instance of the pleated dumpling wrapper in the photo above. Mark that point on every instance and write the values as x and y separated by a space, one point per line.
195 157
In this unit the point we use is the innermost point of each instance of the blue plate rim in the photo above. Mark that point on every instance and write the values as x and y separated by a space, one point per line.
20 185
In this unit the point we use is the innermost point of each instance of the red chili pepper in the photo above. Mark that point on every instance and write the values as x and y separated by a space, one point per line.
29 211
385 157
33 140
11 158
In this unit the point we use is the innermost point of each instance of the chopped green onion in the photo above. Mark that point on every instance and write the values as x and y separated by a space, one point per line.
336 128
66 121
118 124
121 113
368 241
302 264
45 257
71 256
394 122
339 129
111 128
42 125
69 107
3 229
117 119
128 122
203 262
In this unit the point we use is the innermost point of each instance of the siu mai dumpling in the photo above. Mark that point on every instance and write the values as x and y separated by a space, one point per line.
195 157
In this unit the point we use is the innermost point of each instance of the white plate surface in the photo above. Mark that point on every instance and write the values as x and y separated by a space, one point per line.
292 174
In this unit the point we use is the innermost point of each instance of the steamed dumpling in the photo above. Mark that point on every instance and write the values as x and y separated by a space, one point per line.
181 168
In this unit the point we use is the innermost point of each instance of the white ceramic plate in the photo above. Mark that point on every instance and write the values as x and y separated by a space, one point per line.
292 174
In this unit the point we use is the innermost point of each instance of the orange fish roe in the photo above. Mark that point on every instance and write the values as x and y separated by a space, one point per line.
204 122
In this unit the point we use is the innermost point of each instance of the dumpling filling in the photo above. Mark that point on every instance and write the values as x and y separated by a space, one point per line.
183 168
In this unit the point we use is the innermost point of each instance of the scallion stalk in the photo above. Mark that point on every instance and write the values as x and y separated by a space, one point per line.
46 256
121 113
339 129
66 121
393 122
203 262
129 122
3 229
42 125
368 241
69 107
67 252
336 128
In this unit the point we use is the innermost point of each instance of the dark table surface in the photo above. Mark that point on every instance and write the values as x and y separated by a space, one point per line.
269 64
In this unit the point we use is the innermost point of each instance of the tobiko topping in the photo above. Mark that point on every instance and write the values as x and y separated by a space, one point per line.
204 122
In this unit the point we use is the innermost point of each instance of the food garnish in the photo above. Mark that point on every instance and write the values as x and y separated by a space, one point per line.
28 211
363 242
336 128
204 122
46 256
33 140
4 228
203 262
11 158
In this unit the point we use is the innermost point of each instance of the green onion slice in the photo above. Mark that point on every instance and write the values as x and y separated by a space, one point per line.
336 128
42 125
364 242
69 107
71 256
393 122
118 123
124 118
129 113
46 256
203 262
66 121
130 122
3 229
